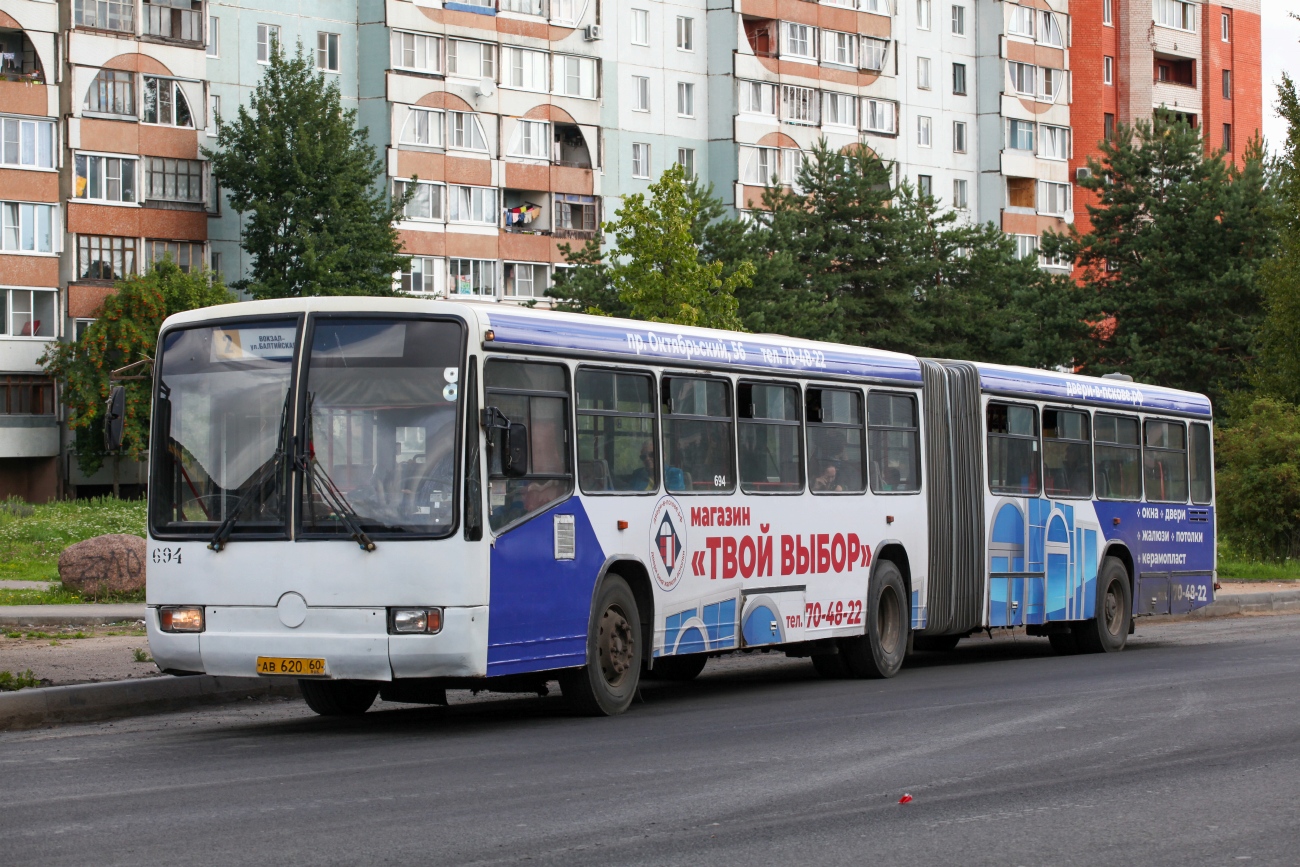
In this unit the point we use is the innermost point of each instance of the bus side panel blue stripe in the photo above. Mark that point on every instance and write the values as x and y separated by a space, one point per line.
540 606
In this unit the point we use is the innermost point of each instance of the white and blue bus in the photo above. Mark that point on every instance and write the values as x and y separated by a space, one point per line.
395 497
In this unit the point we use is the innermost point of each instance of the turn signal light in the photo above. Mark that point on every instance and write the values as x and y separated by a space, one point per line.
181 619
414 621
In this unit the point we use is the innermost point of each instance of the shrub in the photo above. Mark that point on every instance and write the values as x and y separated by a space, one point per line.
1258 457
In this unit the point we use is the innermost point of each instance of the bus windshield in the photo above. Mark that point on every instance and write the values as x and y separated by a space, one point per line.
223 398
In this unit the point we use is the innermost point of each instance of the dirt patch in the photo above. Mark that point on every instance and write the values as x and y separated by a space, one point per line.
58 657
1256 587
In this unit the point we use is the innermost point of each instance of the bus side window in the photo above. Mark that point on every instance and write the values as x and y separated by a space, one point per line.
616 432
1067 454
1118 454
1013 449
697 436
893 443
836 441
536 395
771 449
1202 465
1164 456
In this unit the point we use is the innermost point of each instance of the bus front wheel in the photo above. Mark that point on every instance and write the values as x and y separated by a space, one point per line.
880 651
1108 631
339 697
606 685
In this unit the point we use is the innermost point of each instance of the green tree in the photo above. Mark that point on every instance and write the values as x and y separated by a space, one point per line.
1173 257
318 220
1258 477
1277 372
125 332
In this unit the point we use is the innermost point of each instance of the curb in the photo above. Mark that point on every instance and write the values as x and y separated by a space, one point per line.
1232 604
89 702
85 614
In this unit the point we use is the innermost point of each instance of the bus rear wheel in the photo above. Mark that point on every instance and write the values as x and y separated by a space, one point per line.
679 669
880 652
606 685
1108 631
339 697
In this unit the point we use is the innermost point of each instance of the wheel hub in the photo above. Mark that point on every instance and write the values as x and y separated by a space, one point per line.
617 645
1114 616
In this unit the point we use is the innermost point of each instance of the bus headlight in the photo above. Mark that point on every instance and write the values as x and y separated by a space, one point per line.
414 621
187 618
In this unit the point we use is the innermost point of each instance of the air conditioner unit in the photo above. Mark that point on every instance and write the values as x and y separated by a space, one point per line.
591 32
1082 173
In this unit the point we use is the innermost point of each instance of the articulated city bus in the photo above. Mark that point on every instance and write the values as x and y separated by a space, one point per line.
395 497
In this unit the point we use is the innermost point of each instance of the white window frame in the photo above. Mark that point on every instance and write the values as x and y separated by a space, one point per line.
685 99
475 128
800 105
796 37
1059 137
685 33
1051 82
1166 12
435 196
433 121
960 142
925 186
686 159
333 45
535 290
792 160
1050 192
965 82
11 314
13 234
175 85
834 112
1107 13
431 270
213 46
1026 246
487 271
1108 69
1225 27
640 27
923 70
525 69
641 93
839 49
17 144
958 20
873 53
473 206
267 35
432 50
587 87
641 160
1021 21
1049 31
538 132
485 63
876 7
960 199
923 11
1017 71
1012 128
761 165
766 94
872 110
924 131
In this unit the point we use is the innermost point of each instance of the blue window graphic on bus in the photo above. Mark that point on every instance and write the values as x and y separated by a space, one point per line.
696 629
1042 565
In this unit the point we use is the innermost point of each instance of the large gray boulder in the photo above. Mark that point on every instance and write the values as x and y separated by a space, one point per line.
110 564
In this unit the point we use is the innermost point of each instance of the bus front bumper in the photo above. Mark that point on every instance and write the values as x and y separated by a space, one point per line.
353 642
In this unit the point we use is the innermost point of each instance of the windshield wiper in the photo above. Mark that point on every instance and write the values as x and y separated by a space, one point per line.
222 536
329 492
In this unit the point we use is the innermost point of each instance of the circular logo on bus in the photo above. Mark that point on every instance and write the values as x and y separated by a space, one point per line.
668 543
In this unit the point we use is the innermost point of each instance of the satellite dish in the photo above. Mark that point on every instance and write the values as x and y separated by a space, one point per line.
486 87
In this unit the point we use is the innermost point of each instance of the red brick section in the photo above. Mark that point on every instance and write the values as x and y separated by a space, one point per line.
1091 42
1240 56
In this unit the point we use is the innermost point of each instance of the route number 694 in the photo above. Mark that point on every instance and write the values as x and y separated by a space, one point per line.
166 555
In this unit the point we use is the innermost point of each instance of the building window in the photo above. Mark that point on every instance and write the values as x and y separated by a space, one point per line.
799 105
472 205
472 277
841 110
959 194
1050 79
532 139
104 257
26 227
1020 135
1054 142
1227 137
425 203
1108 69
757 98
577 76
112 92
116 15
640 27
959 79
1106 17
1227 84
761 166
923 14
174 19
523 280
214 264
576 214
685 99
327 51
417 51
1178 14
798 41
268 36
923 73
923 132
423 127
640 93
28 395
423 276
959 137
1020 193
1225 27
686 159
525 69
1022 22
103 178
30 313
880 116
186 254
174 179
839 48
685 33
1026 246
925 185
1049 31
1108 126
165 103
1053 198
26 143
214 36
466 132
873 53
959 20
640 160
471 59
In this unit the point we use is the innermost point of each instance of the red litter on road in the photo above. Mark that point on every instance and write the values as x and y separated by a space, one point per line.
906 799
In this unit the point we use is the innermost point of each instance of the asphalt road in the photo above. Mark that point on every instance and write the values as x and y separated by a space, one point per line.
1184 749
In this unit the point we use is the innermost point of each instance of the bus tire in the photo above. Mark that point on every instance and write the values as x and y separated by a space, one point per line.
880 651
606 685
1108 631
678 669
339 697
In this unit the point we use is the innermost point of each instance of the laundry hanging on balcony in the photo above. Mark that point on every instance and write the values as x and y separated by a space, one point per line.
522 215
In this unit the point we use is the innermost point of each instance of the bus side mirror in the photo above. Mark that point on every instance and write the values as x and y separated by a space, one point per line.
514 451
114 418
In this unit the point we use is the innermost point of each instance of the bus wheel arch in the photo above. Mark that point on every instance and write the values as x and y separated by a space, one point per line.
1120 552
879 652
895 553
637 577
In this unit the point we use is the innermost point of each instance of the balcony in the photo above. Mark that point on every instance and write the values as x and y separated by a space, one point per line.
18 60
174 20
576 217
761 35
525 212
569 148
115 15
1174 70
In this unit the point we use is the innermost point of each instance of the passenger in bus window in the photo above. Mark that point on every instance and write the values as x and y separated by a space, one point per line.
827 480
644 478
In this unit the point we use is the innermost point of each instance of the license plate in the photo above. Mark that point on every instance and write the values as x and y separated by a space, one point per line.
294 666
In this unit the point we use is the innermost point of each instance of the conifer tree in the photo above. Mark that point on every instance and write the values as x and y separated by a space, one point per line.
317 217
1277 372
